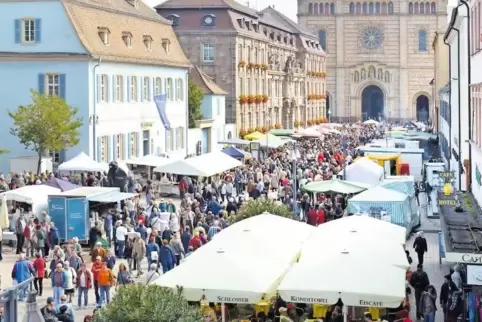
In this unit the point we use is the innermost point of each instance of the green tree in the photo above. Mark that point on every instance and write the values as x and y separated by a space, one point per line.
195 99
48 124
254 207
148 303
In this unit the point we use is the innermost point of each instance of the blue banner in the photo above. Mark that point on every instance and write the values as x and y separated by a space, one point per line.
161 101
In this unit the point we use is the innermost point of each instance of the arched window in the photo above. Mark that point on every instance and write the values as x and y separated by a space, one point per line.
371 8
433 9
332 8
371 72
377 8
365 8
415 8
322 36
384 8
363 74
323 10
390 8
356 77
310 8
422 8
410 8
358 8
315 9
387 77
422 40
427 8
380 74
351 8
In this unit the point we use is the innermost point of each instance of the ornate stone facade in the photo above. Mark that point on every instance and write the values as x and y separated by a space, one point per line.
273 69
379 55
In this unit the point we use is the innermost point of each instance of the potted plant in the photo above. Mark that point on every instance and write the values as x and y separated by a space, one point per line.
242 133
251 99
251 65
277 126
243 99
264 66
257 66
309 97
309 122
242 63
259 99
250 130
265 98
297 123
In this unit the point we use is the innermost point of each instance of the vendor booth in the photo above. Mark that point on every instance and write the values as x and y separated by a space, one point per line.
406 185
335 185
82 162
71 210
36 196
204 165
389 162
236 153
383 203
365 171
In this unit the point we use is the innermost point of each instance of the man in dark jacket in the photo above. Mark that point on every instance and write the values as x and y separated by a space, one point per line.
445 292
419 281
420 246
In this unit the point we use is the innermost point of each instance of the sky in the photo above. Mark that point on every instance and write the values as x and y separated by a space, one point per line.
287 7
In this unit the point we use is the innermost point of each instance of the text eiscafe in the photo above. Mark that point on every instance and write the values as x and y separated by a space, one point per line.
299 299
371 303
227 299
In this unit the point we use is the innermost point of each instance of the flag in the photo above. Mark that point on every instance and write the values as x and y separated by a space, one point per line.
161 101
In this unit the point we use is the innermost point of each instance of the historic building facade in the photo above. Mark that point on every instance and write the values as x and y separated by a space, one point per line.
273 70
380 61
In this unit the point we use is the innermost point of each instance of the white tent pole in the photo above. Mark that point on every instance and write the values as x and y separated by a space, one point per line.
223 316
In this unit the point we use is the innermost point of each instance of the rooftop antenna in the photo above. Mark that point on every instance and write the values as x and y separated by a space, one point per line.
252 4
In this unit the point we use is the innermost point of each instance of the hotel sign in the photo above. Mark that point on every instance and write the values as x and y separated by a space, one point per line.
447 199
466 258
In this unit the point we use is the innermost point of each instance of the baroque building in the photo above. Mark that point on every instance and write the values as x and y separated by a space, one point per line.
273 70
380 61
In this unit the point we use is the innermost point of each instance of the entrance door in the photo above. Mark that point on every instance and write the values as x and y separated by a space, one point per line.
422 108
372 103
77 218
146 142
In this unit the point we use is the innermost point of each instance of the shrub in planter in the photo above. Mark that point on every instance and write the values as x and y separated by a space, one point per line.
251 99
264 66
243 99
250 130
265 98
259 99
251 65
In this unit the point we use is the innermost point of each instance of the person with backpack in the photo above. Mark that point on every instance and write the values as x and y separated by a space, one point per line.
419 281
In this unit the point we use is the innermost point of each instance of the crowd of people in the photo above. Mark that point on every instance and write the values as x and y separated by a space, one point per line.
161 234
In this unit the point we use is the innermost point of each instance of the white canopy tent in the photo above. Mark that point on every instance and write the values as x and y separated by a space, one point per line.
359 247
82 162
32 194
367 285
373 122
204 165
149 160
364 227
364 170
223 275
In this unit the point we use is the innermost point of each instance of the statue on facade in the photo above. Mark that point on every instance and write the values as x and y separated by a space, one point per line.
289 64
117 177
273 61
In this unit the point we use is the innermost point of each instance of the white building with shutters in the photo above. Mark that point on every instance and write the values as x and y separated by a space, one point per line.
108 60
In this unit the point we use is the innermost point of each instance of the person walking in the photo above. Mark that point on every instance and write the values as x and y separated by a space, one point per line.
138 253
427 304
106 280
39 266
70 278
420 246
96 266
84 284
59 280
20 226
419 281
22 271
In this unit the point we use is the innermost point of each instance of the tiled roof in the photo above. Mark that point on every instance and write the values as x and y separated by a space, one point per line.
198 4
270 11
119 16
205 82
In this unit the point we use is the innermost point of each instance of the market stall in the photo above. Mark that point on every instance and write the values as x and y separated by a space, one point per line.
254 136
236 153
235 141
335 185
363 170
383 203
149 161
82 162
389 162
204 165
36 196
63 185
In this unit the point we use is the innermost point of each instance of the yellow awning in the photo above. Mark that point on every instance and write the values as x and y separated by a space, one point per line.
254 136
384 157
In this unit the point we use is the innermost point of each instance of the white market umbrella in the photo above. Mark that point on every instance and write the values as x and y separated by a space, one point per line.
82 162
365 226
356 283
149 160
225 276
358 247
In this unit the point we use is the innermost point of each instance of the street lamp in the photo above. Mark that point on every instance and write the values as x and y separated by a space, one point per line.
295 154
329 116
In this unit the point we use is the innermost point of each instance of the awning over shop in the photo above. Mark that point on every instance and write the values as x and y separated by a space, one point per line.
112 197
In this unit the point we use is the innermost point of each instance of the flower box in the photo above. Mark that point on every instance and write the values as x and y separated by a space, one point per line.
309 122
277 126
264 66
242 133
243 99
251 65
265 98
242 63
250 130
297 123
259 99
251 99
257 66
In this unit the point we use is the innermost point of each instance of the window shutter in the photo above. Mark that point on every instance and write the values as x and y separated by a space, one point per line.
99 156
129 146
99 90
114 89
63 85
141 85
109 90
41 83
153 87
110 148
139 88
129 92
125 146
149 89
18 31
139 144
38 33
114 147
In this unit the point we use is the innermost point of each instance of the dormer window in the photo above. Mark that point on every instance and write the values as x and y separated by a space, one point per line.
166 43
308 43
127 38
271 36
209 20
278 38
174 19
104 33
256 27
285 40
292 42
265 31
134 3
248 25
241 22
148 42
